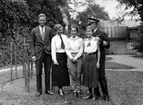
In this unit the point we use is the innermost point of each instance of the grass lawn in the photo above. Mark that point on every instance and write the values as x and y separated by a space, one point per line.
125 88
108 58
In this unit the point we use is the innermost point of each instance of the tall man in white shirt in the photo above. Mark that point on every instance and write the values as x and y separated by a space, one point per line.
41 53
104 43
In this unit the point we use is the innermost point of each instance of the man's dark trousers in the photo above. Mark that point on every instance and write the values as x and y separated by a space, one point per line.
102 79
41 49
101 70
46 60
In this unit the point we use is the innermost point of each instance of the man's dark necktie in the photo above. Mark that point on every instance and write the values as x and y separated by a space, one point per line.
62 43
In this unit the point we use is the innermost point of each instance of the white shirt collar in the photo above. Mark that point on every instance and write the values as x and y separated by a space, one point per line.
58 35
74 38
87 39
41 27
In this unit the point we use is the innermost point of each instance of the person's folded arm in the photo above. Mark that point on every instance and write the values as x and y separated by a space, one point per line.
104 38
51 35
107 41
80 52
67 49
98 53
53 50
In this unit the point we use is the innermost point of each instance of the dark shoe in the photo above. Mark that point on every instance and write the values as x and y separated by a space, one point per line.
49 92
38 94
106 97
98 94
88 97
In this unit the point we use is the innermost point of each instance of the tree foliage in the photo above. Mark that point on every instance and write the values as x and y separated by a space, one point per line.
93 11
138 40
13 14
49 7
17 19
138 8
137 4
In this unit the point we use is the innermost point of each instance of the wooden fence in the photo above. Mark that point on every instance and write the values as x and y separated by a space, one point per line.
119 42
116 32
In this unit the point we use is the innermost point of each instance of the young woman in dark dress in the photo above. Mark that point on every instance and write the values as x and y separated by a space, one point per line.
91 61
60 76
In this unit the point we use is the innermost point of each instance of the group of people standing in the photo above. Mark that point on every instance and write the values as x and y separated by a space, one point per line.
81 59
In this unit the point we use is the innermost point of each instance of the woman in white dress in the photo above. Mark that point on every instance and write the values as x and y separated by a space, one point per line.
74 52
91 63
60 76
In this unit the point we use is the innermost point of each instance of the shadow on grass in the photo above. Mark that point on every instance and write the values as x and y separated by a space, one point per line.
108 58
113 65
137 56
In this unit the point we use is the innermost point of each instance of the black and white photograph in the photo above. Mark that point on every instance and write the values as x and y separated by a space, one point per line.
71 52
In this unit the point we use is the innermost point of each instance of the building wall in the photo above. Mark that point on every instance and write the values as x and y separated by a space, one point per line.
115 32
128 23
118 33
120 47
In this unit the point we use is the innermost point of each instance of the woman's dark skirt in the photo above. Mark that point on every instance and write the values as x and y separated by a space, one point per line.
90 73
60 76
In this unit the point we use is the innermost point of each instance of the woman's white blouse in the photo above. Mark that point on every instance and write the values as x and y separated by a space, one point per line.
56 45
74 45
90 45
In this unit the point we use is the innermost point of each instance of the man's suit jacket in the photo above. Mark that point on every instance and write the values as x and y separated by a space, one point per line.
38 45
103 37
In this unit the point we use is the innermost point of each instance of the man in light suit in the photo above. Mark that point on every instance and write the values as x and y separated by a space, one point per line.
41 53
103 44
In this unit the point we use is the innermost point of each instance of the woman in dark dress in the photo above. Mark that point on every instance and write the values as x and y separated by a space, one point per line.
60 76
91 63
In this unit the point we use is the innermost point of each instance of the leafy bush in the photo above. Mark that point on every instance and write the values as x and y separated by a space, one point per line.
139 39
17 20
